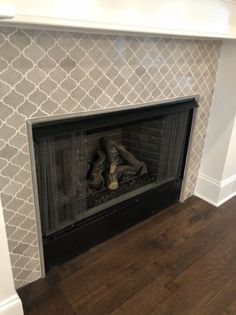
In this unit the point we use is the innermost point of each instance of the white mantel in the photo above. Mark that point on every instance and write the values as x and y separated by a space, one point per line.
201 18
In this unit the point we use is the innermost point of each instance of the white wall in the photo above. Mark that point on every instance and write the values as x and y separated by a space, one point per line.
211 18
217 179
10 304
230 164
229 173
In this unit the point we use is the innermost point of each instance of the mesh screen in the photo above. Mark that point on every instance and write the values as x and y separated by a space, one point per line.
74 170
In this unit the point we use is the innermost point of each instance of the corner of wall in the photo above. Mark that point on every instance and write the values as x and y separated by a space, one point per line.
11 306
213 191
216 181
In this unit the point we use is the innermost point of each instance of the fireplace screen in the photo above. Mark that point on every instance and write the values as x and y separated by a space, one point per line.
83 172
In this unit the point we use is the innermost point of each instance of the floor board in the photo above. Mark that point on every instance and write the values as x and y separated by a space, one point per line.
178 262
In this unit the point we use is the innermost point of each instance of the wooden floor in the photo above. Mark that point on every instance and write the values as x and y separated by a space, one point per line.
179 262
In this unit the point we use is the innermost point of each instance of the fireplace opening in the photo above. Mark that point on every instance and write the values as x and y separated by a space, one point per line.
99 174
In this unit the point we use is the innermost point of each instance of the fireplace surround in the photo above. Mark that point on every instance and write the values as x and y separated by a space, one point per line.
46 74
99 174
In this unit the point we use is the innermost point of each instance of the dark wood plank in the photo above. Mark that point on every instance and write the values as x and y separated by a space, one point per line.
50 304
200 243
204 288
145 301
207 286
231 308
110 296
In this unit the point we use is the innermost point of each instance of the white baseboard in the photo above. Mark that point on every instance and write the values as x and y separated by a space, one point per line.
213 191
11 306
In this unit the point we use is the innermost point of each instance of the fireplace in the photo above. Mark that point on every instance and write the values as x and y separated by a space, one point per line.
99 174
60 74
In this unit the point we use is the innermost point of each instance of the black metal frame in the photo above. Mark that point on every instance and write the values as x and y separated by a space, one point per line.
69 242
111 119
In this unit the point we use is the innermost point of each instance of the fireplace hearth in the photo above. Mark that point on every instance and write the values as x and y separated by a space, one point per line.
99 174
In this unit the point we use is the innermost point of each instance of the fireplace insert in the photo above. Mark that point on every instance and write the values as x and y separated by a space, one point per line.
99 174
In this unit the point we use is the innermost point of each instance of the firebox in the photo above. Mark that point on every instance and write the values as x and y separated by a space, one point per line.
99 174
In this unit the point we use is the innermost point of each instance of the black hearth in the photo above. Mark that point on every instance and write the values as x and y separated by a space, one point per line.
99 174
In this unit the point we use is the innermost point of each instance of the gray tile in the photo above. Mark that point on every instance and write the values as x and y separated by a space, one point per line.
20 39
6 111
22 64
8 52
36 75
26 209
3 65
48 86
46 64
68 84
20 248
96 73
24 193
10 171
58 75
67 41
12 244
34 52
86 64
78 93
67 64
77 54
15 204
27 108
6 199
86 83
49 106
28 224
12 188
57 53
25 87
95 92
8 152
4 181
20 158
37 97
15 121
59 95
78 74
87 101
29 252
104 82
22 177
29 238
11 76
2 39
13 99
45 41
69 104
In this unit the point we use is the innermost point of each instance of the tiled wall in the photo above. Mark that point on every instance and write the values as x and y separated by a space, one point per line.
50 73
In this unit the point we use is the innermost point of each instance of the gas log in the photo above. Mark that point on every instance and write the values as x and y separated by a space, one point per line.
124 171
112 164
112 181
112 153
131 159
96 178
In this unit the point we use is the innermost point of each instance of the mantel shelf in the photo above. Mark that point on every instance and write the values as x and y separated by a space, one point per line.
185 18
89 26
